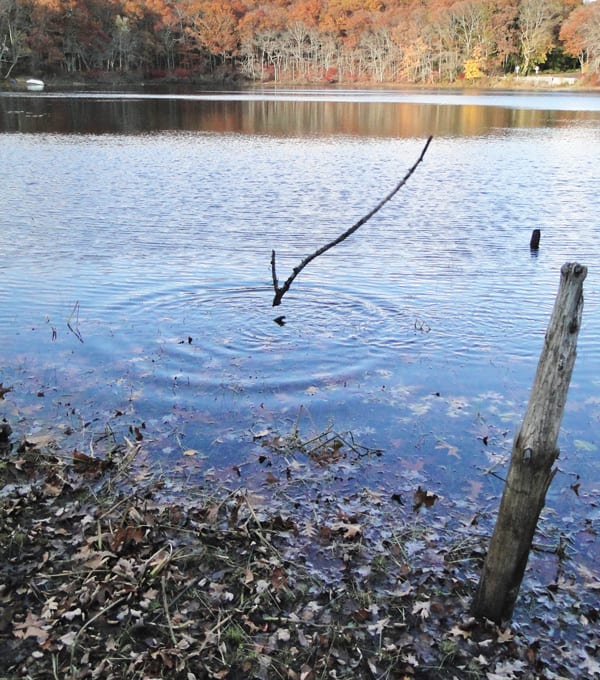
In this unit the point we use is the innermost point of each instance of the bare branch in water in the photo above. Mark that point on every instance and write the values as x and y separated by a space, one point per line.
280 291
75 313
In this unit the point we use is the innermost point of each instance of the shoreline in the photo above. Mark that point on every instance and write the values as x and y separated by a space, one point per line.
555 82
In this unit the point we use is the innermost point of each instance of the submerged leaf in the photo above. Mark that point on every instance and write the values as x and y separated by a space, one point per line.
584 445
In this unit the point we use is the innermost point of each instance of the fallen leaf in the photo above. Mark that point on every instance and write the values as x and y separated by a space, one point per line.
373 667
306 672
278 578
309 530
68 638
4 390
580 444
378 628
283 635
31 627
505 635
423 497
457 631
349 530
452 450
84 463
126 536
38 441
72 614
475 490
422 609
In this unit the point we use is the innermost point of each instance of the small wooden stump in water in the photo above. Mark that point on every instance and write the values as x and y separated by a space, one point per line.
533 455
534 243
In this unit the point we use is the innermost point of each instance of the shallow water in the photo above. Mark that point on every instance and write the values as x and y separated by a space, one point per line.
137 237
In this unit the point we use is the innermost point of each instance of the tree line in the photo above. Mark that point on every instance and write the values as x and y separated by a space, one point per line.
302 41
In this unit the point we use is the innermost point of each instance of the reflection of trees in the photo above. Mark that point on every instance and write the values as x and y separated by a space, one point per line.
275 117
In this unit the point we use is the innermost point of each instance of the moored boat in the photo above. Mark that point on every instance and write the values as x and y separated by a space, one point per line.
34 85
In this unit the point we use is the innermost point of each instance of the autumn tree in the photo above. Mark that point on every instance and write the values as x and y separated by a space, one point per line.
418 42
213 24
580 34
537 24
298 40
471 23
504 24
260 31
474 66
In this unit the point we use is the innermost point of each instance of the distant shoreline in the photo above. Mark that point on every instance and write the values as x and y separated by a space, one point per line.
564 82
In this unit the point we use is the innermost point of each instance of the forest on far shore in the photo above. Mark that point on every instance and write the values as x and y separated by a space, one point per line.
300 41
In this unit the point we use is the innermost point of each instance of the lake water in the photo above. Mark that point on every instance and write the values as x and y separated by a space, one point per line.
136 291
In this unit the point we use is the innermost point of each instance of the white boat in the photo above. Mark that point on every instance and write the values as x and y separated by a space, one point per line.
34 85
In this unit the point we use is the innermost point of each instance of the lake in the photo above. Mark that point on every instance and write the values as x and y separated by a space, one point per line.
137 231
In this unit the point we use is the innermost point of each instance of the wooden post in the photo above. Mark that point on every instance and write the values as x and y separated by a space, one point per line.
534 242
533 455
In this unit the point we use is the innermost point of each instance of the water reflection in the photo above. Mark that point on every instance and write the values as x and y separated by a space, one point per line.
282 117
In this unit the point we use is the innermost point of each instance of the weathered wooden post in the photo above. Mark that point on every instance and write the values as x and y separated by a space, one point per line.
534 241
533 455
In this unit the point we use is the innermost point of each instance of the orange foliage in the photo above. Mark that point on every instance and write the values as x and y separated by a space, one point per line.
419 40
307 12
580 33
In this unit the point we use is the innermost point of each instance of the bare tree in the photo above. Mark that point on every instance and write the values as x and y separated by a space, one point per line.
13 36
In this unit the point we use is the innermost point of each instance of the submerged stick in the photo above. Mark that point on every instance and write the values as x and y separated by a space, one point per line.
75 312
280 291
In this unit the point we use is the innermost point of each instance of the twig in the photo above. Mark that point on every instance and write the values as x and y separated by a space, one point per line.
88 623
209 634
76 332
259 528
280 291
166 611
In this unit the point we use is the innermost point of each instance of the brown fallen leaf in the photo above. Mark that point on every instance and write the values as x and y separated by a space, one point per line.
423 497
349 530
84 463
126 536
4 390
31 627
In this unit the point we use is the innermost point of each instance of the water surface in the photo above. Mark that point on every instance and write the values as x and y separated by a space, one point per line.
136 282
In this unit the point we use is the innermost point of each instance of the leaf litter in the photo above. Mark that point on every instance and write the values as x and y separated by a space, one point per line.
291 564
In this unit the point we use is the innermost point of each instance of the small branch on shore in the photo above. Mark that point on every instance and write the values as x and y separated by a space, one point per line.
280 291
